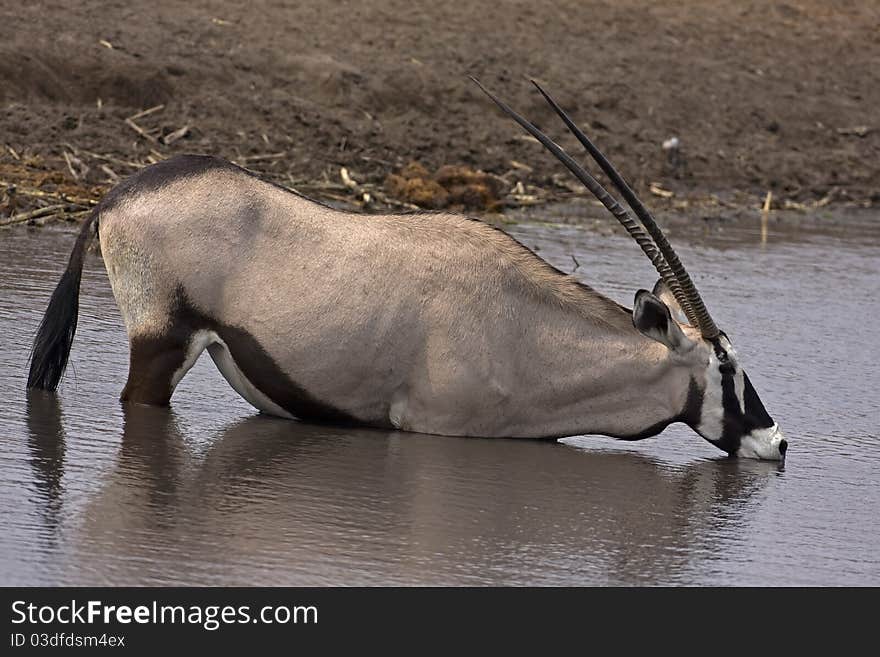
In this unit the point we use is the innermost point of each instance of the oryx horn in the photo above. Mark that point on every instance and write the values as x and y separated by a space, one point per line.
663 257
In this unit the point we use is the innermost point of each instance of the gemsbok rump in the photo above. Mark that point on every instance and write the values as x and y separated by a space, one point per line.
429 322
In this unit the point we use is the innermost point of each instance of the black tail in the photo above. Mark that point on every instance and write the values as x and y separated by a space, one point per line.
52 344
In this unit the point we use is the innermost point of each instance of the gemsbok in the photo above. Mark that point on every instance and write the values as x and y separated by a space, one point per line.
434 323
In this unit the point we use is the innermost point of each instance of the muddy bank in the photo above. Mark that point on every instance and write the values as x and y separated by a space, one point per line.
760 97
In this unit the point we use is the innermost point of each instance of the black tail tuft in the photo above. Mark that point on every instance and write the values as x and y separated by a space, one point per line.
53 341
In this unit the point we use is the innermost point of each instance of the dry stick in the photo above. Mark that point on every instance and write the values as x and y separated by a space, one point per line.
345 199
347 180
357 188
320 185
525 200
114 160
174 136
70 215
33 214
143 133
258 158
70 166
325 186
145 112
38 193
765 215
114 177
66 215
394 203
367 158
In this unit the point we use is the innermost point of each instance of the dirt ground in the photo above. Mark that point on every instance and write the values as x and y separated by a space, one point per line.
779 96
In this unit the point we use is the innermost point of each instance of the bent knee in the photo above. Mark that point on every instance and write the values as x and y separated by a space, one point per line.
158 363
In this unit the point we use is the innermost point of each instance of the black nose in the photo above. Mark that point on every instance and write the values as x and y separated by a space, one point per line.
783 445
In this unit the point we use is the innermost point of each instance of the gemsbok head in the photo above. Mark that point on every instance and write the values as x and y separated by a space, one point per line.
732 415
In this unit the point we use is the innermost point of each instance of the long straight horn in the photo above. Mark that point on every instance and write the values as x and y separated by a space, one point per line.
691 302
668 275
626 220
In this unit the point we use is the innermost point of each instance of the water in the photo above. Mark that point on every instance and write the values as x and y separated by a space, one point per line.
211 493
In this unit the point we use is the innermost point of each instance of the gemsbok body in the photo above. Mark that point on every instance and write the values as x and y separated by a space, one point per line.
433 323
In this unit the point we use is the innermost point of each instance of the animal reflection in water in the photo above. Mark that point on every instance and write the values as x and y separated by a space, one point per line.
431 323
275 502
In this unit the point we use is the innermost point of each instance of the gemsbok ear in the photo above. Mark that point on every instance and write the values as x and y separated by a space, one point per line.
653 320
662 292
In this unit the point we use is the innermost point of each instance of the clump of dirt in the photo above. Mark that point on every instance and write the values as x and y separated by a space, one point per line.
453 187
470 189
413 184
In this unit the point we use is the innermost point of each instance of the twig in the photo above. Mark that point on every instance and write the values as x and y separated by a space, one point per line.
367 158
657 190
767 201
114 160
389 201
111 174
172 137
347 180
858 131
320 185
38 193
519 165
71 159
259 158
525 200
143 133
765 215
69 216
70 166
146 112
577 265
33 214
344 199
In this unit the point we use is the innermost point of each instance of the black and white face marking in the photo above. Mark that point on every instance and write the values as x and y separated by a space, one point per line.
732 415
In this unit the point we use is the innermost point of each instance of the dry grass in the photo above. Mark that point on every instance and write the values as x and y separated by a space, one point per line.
36 189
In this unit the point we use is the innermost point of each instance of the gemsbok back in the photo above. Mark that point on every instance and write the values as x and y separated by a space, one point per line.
433 323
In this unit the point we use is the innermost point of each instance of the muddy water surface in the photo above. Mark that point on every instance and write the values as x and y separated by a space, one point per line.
209 492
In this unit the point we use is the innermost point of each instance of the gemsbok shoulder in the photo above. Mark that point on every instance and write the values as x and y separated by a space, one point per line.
434 323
